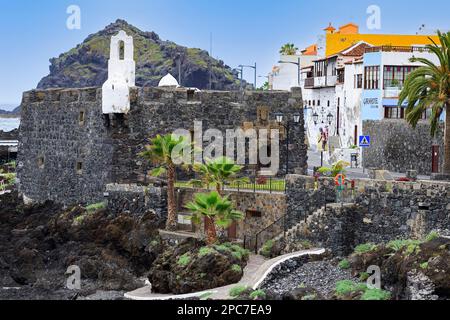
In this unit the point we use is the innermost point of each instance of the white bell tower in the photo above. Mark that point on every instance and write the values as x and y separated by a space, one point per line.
121 75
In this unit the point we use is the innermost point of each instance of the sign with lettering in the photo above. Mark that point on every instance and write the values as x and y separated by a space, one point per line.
371 102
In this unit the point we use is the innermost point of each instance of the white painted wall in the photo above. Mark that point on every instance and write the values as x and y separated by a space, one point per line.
402 58
350 106
287 75
325 95
121 76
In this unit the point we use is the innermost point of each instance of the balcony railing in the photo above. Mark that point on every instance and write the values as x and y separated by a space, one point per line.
309 82
396 49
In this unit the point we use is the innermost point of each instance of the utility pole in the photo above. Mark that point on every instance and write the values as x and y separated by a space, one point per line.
179 68
211 55
255 77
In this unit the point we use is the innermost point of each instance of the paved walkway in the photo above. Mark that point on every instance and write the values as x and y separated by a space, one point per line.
352 173
255 272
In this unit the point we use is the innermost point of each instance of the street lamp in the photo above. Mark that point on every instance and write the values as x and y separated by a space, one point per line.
242 72
268 81
330 118
315 117
280 120
298 68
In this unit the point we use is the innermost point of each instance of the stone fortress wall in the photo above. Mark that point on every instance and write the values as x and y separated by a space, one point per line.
69 150
397 147
375 211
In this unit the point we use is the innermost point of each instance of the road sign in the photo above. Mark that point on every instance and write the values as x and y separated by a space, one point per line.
364 141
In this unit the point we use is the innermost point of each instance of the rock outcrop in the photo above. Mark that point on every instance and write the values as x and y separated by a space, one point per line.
410 269
86 64
192 266
40 242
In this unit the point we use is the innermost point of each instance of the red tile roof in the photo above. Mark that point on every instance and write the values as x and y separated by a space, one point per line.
356 51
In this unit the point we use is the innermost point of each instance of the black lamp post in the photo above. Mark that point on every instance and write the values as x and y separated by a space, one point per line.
287 125
315 118
330 118
242 72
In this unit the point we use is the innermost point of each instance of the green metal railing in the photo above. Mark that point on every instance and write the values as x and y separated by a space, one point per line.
270 185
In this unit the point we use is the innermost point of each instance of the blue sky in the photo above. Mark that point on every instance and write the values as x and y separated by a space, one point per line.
244 31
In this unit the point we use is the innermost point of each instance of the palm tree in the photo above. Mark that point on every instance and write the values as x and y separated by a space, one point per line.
335 169
166 151
264 87
219 171
289 49
428 87
216 210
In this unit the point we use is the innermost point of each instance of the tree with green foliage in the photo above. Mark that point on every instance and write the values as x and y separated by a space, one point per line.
335 169
264 87
216 210
219 172
289 49
428 87
166 152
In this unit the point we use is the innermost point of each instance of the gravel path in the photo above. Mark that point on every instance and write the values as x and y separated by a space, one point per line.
320 275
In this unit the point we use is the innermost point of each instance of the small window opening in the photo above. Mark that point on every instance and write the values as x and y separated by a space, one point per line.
251 213
121 50
79 167
190 95
41 162
81 118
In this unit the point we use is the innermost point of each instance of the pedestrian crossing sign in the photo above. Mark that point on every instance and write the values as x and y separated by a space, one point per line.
364 141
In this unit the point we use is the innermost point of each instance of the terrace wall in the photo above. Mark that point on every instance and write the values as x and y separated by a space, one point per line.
397 147
261 209
380 211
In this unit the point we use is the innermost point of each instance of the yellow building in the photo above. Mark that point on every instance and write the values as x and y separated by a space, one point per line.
348 35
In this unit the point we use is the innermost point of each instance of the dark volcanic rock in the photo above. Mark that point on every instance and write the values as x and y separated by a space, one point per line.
86 65
305 278
306 293
38 244
400 269
185 269
9 135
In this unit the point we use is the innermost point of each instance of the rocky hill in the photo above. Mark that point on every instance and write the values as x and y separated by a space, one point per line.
86 65
5 111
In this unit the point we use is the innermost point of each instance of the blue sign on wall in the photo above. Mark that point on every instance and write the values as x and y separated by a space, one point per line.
364 141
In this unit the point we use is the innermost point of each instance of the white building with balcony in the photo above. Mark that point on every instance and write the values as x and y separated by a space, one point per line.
331 93
385 71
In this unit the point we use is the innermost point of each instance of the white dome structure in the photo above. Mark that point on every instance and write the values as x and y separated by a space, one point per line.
168 81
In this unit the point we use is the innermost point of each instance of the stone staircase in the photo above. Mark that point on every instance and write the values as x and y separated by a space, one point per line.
291 235
305 229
